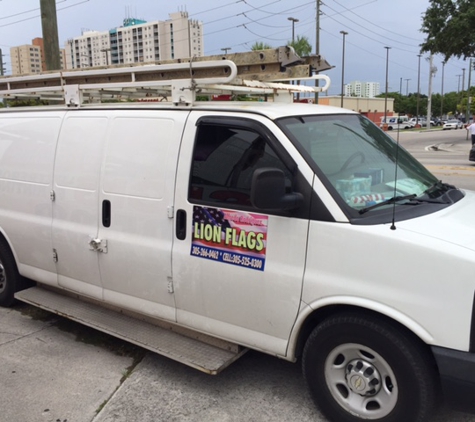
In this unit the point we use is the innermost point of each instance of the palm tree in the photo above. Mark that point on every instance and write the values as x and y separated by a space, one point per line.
301 46
260 46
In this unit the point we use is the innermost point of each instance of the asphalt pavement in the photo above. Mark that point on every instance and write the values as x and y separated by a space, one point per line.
54 370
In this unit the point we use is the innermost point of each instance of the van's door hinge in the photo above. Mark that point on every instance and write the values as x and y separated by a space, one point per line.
170 284
55 255
52 195
170 211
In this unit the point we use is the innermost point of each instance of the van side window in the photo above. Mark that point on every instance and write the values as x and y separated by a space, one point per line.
224 160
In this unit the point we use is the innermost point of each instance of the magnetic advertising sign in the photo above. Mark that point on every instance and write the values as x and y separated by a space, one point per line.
232 237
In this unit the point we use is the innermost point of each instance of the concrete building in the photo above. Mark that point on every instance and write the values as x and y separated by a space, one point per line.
137 41
362 89
372 108
25 59
30 58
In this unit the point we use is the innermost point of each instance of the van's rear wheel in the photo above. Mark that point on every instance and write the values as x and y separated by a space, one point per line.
9 277
358 369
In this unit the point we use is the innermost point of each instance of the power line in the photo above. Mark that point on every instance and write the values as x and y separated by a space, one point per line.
372 23
38 16
26 11
367 36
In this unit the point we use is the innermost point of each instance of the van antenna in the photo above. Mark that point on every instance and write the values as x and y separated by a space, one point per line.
393 225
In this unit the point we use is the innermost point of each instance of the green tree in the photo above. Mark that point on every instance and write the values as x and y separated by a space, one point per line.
260 46
448 25
301 46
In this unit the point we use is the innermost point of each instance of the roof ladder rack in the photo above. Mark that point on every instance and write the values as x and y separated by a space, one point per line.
263 72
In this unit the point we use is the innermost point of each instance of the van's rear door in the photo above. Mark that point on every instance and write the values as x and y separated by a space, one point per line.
77 174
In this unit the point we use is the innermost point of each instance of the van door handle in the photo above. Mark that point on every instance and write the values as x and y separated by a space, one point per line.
106 213
181 224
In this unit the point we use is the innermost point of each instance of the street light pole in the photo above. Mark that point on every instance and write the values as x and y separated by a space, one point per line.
386 91
293 20
442 92
407 86
469 98
344 33
418 87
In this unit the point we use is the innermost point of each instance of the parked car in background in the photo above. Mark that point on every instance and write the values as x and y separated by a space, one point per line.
452 124
422 121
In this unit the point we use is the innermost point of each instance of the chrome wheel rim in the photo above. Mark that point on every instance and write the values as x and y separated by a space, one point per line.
361 381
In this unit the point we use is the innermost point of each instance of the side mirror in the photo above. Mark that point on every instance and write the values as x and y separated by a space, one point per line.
268 191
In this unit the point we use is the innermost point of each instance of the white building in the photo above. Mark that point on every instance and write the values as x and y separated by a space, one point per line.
137 41
362 89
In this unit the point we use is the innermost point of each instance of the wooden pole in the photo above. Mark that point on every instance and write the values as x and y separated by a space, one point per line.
49 24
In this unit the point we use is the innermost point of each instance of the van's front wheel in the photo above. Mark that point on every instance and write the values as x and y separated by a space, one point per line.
358 369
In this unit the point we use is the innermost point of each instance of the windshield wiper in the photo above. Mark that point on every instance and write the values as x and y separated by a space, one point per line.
390 201
429 201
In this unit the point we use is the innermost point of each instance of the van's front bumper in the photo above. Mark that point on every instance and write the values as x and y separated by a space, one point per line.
457 376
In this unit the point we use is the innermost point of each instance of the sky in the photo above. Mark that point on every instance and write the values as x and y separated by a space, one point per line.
371 25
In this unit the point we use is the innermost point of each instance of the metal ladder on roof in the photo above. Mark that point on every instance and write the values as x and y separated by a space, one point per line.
264 72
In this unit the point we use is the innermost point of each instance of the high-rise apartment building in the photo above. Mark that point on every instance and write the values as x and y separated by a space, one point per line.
30 58
137 41
362 89
25 59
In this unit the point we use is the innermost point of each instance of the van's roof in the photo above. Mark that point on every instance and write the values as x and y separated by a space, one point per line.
271 110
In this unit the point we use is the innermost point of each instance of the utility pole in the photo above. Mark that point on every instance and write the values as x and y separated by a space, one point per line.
317 42
1 63
49 24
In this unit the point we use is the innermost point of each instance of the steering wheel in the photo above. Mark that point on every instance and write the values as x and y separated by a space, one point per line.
352 157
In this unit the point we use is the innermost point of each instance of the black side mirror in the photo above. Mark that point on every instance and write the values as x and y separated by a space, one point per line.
268 191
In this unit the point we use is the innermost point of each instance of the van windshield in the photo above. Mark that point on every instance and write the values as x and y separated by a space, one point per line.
361 165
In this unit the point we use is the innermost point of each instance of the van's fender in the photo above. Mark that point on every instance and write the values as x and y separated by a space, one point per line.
9 243
307 309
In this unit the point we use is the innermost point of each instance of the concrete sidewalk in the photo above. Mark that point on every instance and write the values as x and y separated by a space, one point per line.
48 374
54 370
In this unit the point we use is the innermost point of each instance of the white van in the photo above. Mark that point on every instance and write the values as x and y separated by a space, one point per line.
396 122
200 231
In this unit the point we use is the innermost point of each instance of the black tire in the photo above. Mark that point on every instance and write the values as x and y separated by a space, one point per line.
359 369
10 279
